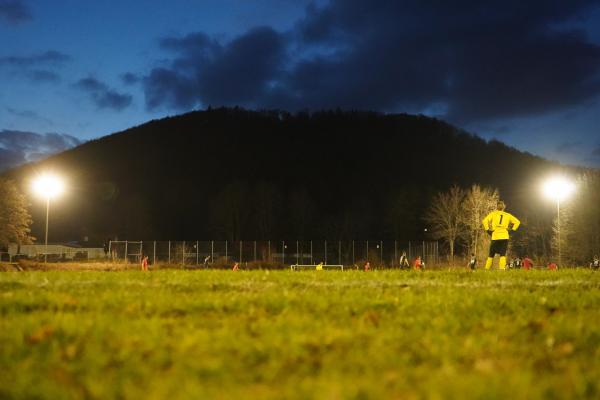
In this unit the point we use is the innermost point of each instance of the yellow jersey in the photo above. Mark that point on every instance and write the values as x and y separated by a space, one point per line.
498 222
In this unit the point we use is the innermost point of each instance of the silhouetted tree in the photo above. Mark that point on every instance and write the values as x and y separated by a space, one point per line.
446 218
580 221
478 202
301 211
228 211
267 210
14 217
535 234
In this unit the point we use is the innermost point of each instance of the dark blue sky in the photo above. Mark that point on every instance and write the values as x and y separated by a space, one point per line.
526 73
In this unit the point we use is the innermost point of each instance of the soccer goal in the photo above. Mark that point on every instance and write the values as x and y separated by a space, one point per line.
304 267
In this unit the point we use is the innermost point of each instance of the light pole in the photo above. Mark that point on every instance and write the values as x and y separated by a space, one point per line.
47 186
558 188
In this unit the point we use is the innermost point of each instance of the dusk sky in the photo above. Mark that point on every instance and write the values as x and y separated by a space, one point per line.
526 73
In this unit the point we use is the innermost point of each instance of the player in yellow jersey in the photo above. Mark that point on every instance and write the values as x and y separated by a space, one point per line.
497 223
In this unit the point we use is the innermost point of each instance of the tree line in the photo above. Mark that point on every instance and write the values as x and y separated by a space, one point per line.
229 173
453 216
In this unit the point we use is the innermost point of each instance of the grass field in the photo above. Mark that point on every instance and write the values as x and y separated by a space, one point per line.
271 335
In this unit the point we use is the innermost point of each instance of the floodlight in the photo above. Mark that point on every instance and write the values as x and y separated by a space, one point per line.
48 185
558 188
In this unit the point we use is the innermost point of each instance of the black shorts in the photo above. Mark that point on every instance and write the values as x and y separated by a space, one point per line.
498 247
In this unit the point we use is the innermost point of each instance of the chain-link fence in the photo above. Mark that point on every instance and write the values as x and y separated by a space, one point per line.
385 254
52 253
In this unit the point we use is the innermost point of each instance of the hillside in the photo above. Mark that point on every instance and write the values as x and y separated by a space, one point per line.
231 173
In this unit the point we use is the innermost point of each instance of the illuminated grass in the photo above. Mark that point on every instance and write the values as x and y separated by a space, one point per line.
219 334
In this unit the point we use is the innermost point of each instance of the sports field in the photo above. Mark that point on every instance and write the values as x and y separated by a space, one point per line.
328 335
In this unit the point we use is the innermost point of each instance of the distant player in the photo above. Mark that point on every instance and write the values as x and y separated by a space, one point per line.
404 261
595 264
518 263
367 266
319 266
206 260
527 263
472 262
497 224
236 266
418 265
145 263
552 266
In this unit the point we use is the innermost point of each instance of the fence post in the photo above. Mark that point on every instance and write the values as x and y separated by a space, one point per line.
154 254
212 251
169 252
269 251
183 253
311 255
126 259
197 250
241 252
395 252
297 253
226 251
283 251
326 252
381 252
340 252
353 261
255 251
367 250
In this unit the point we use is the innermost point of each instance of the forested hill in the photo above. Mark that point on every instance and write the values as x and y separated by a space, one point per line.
232 173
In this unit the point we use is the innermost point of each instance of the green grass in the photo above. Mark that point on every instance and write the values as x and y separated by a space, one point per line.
272 335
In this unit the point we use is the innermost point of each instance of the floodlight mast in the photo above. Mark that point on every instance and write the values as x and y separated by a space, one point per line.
48 186
558 188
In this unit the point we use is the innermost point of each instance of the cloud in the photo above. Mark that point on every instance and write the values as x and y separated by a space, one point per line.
18 147
50 57
485 60
103 96
90 84
475 61
40 76
14 11
29 115
207 72
37 68
129 78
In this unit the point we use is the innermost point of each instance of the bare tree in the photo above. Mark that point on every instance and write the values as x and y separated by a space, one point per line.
445 216
14 217
580 221
478 202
